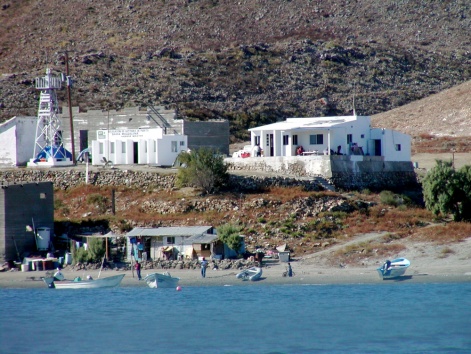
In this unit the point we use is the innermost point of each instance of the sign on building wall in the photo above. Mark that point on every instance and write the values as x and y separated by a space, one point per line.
119 134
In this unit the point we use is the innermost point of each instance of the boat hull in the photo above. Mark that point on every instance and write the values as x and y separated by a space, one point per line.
108 282
161 280
253 273
396 269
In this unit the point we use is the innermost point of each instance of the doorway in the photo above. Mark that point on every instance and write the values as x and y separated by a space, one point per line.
135 152
378 151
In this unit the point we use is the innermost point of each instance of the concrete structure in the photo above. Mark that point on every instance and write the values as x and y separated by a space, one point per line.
25 208
49 150
137 146
20 137
17 140
348 135
163 242
344 150
213 134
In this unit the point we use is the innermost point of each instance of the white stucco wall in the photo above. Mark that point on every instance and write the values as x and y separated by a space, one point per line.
343 132
153 147
390 139
17 137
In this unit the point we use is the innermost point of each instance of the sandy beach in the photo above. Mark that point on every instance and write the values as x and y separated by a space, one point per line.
429 264
423 272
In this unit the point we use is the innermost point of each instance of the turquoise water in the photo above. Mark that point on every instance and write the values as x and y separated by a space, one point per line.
383 318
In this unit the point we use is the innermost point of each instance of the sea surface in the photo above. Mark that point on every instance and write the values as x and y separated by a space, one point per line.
393 317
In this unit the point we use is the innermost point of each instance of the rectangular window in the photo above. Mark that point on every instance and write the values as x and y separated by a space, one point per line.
316 139
123 147
285 139
295 140
100 148
182 143
349 138
398 147
174 146
257 140
363 136
170 240
112 147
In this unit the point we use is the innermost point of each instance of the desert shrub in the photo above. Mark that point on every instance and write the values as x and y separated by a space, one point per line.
445 252
202 168
230 235
100 202
388 198
80 256
94 252
58 204
447 191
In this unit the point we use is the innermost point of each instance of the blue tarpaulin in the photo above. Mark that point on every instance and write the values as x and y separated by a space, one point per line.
57 152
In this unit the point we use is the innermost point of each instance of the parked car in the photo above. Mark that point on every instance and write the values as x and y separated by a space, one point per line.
245 152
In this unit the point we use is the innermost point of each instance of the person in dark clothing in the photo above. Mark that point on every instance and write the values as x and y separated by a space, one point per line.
290 270
137 267
204 265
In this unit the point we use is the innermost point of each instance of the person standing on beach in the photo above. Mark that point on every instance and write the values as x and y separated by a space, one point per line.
137 267
204 265
290 270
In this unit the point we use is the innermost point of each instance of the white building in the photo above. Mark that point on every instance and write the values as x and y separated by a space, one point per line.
347 135
17 140
164 242
137 146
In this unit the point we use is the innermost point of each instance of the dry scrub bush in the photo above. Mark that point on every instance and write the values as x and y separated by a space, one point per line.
364 250
444 233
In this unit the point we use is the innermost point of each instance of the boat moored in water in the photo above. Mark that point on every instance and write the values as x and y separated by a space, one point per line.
161 280
89 283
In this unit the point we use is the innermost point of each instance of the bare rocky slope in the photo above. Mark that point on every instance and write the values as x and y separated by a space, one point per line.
249 62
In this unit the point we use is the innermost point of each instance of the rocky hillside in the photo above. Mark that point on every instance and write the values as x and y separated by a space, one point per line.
250 62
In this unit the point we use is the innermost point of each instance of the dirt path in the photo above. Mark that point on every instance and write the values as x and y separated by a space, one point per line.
315 257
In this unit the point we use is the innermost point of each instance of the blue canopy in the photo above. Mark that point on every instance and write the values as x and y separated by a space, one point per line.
57 152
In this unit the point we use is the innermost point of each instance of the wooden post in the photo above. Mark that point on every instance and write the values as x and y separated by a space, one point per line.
106 249
69 100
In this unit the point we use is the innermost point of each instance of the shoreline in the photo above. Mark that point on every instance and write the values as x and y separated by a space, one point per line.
272 275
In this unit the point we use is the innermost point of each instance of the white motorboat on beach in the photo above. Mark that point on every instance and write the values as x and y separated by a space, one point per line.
253 273
161 280
89 283
393 269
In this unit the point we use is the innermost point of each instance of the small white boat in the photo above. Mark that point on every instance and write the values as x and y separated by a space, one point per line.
393 269
161 280
89 283
253 273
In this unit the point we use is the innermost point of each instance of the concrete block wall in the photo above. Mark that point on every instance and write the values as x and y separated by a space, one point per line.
23 204
213 134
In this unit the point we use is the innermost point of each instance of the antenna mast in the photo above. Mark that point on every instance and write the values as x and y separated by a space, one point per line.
48 146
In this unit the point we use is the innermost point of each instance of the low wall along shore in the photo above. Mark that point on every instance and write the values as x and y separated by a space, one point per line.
72 177
348 175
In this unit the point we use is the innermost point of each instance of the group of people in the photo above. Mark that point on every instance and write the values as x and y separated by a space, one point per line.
257 151
204 266
299 150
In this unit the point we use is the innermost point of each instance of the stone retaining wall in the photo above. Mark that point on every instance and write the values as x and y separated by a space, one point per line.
344 172
144 180
374 180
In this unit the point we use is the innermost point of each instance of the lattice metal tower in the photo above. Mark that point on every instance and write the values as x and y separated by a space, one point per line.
48 147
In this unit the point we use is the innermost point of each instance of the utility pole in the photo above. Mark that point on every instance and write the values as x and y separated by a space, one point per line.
69 83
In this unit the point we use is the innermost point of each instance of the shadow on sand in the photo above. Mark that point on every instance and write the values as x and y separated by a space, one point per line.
400 278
